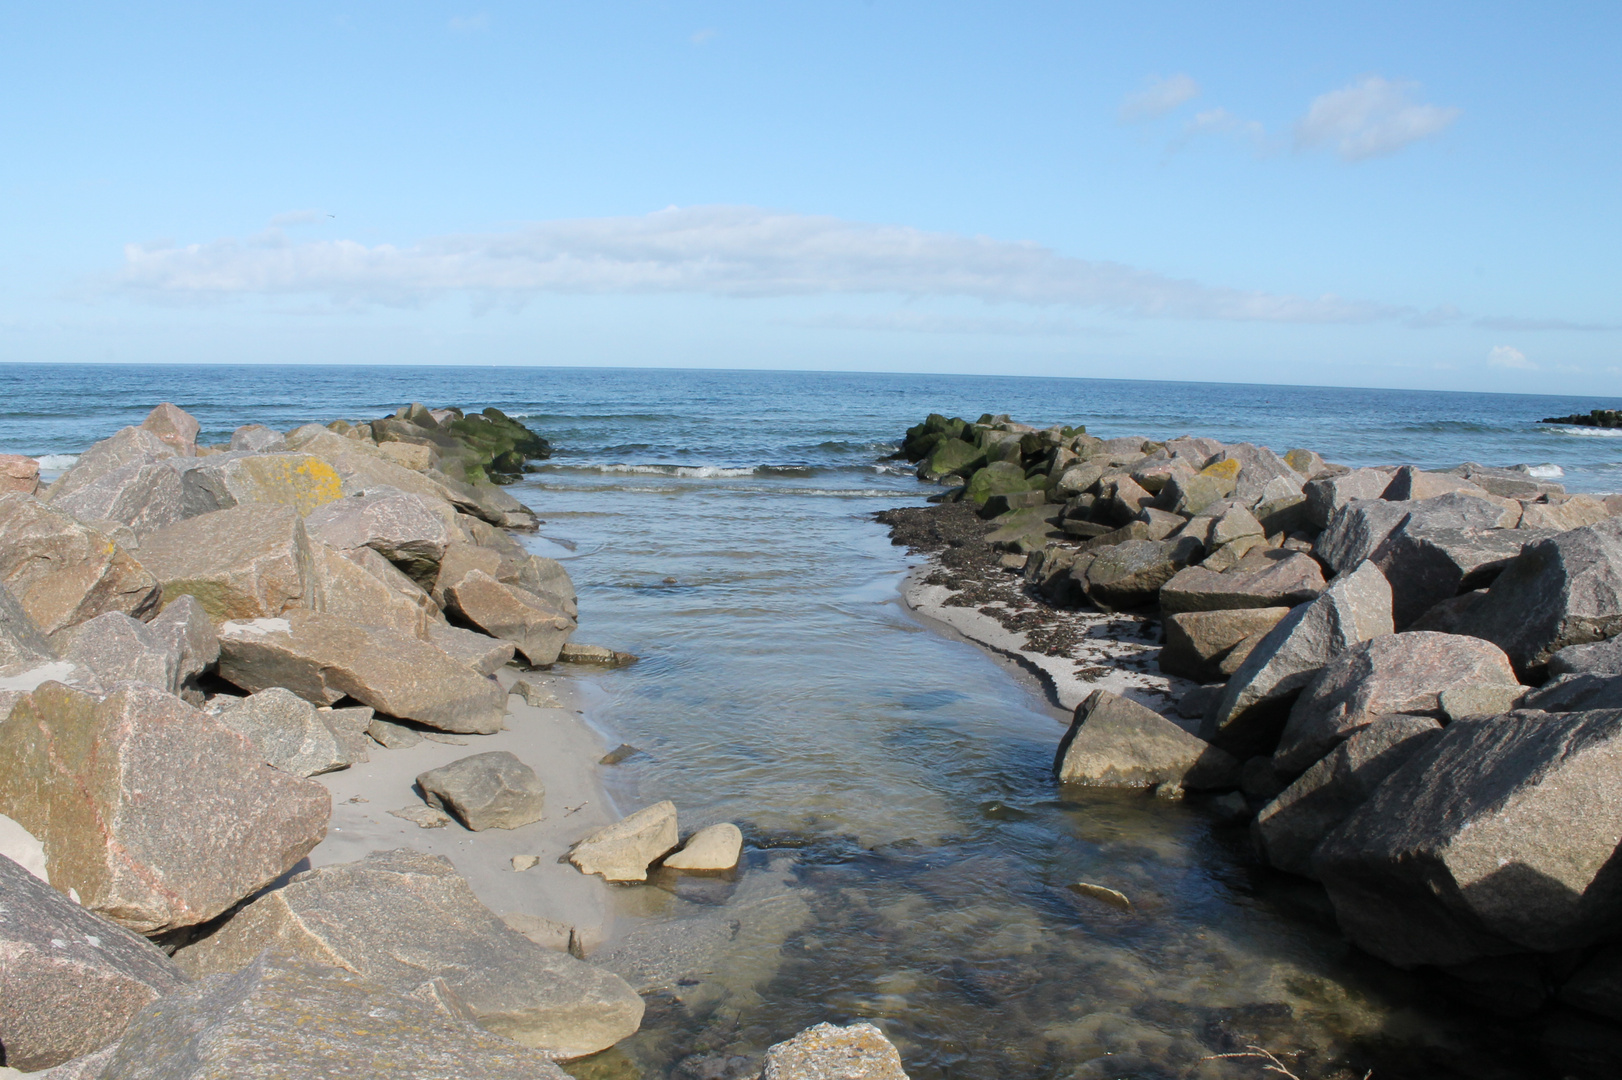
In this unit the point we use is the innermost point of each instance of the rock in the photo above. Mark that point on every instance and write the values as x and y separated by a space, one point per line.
1305 462
258 439
22 645
1261 473
298 1019
1197 641
363 587
827 1052
1153 474
715 847
71 980
536 694
520 863
486 791
1200 490
1079 478
1429 566
423 816
1597 985
624 850
1493 839
484 654
1411 483
1356 530
174 426
1131 574
1251 712
1198 701
247 562
392 736
1574 693
1293 824
1566 590
322 657
1462 702
128 446
1394 673
1263 578
622 752
951 456
535 627
575 653
997 478
1236 523
286 731
155 813
1599 658
413 456
1572 512
19 474
1327 494
118 649
1115 742
299 481
1259 780
349 726
408 530
63 572
186 632
144 497
402 918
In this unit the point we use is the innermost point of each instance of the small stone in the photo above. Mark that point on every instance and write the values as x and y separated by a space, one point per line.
573 653
624 850
423 816
486 791
524 862
393 736
441 737
827 1052
618 754
1103 894
716 847
536 695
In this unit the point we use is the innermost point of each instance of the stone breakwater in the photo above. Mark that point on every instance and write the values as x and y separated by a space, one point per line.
189 636
1409 681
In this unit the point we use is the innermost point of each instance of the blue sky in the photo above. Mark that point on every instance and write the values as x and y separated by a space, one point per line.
1386 195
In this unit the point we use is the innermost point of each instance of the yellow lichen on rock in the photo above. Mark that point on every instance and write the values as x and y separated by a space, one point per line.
301 481
1226 469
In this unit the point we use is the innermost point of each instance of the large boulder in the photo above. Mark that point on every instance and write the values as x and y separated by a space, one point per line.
156 814
1131 574
1261 472
1576 693
403 918
294 1018
1595 658
624 850
258 439
1393 673
324 657
1427 566
1566 590
117 648
537 627
301 482
1253 706
829 1052
408 530
175 427
1197 641
128 446
247 562
1263 578
1327 494
187 633
1290 828
363 587
1498 837
481 652
19 473
287 732
64 572
1115 742
951 457
1571 512
144 497
70 979
1412 483
22 644
493 790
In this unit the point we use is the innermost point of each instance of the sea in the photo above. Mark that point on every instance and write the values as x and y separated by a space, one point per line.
908 856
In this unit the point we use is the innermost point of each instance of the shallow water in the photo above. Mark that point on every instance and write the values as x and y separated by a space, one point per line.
909 855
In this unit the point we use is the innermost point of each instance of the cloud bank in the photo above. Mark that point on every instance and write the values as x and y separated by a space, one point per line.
1370 118
728 251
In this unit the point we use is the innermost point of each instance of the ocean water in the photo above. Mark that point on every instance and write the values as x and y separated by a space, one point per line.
908 854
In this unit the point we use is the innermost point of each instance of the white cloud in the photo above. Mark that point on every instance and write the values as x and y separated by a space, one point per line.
733 251
1220 121
1160 97
295 217
1507 356
467 24
1369 118
923 322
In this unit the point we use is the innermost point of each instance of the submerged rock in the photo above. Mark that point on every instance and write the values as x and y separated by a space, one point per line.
714 847
827 1052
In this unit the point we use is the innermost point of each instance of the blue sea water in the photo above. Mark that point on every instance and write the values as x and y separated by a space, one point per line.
908 854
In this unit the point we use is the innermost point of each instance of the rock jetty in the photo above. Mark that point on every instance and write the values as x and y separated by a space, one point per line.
1409 676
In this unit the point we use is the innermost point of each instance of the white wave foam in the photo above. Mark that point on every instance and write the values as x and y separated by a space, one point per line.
1545 472
691 472
1592 432
57 462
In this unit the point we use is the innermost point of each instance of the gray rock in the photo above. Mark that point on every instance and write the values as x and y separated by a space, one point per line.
1427 566
1575 693
1327 494
1115 742
1462 702
70 979
363 587
1197 641
1394 673
1496 838
392 736
175 426
481 652
1252 710
117 648
247 562
1560 514
155 813
62 572
536 627
403 918
299 481
1566 590
1598 658
1237 523
624 850
1291 826
828 1052
187 633
1597 985
22 645
408 530
19 473
493 790
1356 530
128 446
712 848
258 439
350 727
1263 578
1260 470
286 731
1199 491
144 497
322 657
1412 483
287 1018
1131 574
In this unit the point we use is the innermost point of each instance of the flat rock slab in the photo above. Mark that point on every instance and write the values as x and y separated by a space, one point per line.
1266 578
624 850
286 1018
531 622
64 572
155 813
1197 641
714 848
247 562
1115 742
401 918
324 657
70 980
486 791
829 1052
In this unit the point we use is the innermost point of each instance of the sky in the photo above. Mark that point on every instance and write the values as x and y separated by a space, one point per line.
1383 194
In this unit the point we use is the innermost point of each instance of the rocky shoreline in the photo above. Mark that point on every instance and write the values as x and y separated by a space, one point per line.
1403 679
222 671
